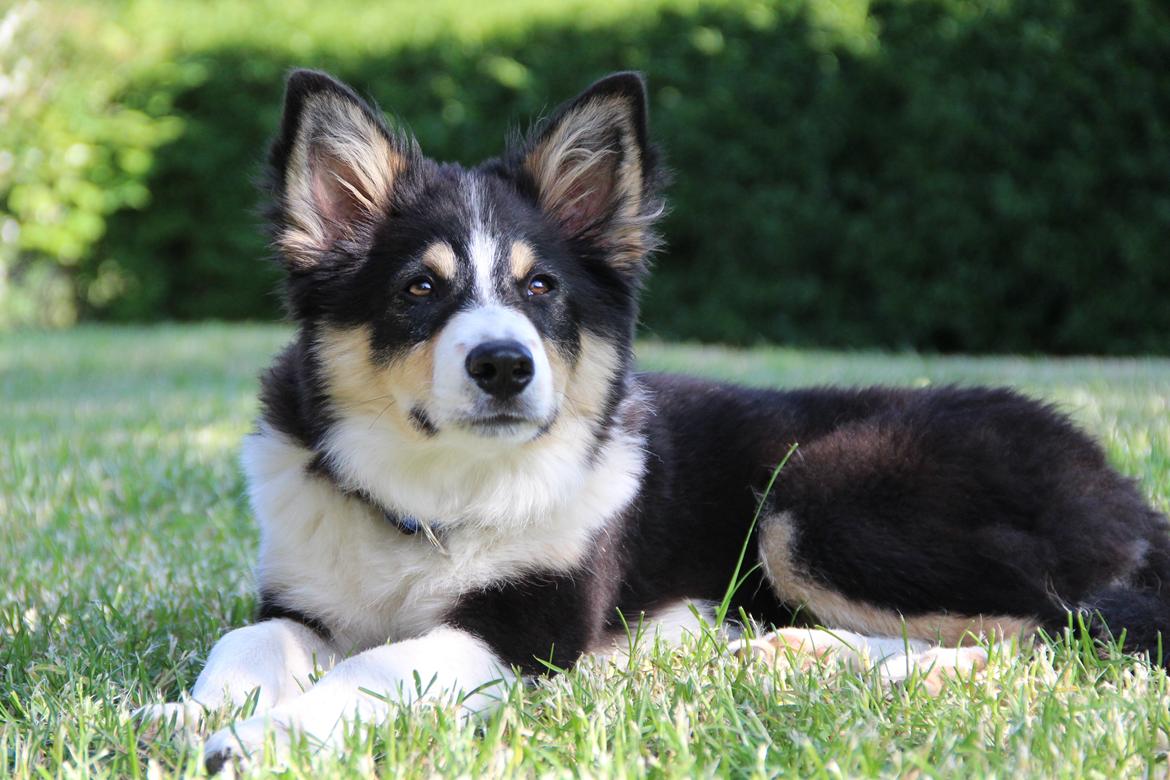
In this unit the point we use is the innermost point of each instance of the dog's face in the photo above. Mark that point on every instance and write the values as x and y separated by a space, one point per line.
487 302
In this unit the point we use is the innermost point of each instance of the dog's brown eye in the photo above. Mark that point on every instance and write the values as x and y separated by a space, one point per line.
421 287
539 285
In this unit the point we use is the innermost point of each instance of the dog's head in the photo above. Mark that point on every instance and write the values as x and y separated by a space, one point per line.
486 302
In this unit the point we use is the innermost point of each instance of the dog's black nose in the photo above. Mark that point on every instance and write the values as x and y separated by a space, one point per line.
501 368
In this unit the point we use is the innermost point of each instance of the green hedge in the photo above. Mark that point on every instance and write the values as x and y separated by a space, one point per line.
977 175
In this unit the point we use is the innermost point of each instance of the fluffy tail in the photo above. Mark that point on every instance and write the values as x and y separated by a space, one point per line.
1140 617
1138 612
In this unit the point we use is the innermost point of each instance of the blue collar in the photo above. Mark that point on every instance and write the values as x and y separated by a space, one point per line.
321 467
404 523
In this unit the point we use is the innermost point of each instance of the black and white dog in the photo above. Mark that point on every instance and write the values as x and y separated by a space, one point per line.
459 477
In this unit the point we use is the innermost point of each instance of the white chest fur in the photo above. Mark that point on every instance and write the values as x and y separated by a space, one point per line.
337 559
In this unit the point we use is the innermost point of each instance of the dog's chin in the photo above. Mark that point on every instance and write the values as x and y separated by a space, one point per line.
504 427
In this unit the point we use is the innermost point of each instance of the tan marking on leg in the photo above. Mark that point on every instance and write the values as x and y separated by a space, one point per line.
795 587
522 259
439 257
359 385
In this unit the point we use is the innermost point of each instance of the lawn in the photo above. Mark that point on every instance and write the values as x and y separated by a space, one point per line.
127 545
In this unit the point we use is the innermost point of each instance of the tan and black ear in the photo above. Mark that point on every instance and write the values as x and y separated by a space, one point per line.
334 168
593 169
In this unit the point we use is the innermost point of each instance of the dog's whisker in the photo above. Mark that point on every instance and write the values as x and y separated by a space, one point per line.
376 398
379 415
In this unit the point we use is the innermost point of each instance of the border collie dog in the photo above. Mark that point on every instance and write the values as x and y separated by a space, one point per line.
460 479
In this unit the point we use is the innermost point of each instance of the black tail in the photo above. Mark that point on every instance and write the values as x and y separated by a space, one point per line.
1138 613
1139 617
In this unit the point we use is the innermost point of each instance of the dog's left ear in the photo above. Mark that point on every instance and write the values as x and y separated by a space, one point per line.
593 170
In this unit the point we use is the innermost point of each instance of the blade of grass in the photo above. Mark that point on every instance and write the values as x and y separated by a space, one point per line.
736 580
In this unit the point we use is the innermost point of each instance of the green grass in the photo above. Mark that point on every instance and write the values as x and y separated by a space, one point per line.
125 548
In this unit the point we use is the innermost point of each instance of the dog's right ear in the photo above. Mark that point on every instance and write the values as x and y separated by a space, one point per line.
334 168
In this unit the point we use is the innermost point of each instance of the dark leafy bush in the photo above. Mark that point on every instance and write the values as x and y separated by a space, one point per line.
984 175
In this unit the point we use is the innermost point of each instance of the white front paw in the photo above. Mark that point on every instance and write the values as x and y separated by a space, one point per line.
244 741
186 716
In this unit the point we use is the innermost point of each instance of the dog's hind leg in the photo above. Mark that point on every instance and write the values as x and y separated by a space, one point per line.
964 522
929 646
861 541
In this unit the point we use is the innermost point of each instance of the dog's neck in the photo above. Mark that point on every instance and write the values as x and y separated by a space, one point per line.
322 466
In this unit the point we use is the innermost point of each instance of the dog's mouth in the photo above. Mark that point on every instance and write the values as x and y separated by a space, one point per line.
505 425
498 421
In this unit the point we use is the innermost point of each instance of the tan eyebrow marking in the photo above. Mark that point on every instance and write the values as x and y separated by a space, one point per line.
440 258
522 259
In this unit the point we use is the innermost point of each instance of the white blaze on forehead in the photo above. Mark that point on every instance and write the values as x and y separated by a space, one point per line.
482 245
493 322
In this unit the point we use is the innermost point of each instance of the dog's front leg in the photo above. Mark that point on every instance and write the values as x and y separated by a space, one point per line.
444 663
273 660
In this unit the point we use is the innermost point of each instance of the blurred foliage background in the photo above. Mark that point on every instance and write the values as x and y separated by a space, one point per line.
975 175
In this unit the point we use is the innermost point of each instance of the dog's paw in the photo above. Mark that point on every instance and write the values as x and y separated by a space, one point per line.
799 648
935 666
897 661
245 741
181 716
